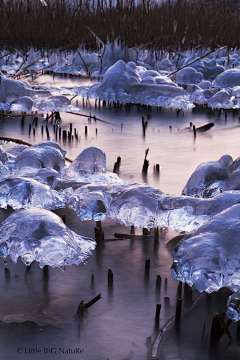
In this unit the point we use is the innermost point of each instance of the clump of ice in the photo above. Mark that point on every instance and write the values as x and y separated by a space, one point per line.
44 155
228 79
16 95
16 150
213 177
208 257
144 206
19 192
189 76
90 166
40 235
23 103
122 83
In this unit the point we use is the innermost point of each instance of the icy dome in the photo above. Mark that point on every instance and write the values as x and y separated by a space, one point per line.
44 155
90 166
228 79
209 257
213 177
20 193
40 235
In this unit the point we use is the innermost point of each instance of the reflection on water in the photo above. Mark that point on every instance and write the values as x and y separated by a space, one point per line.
119 325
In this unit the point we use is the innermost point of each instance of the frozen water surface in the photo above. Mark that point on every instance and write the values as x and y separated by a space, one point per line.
40 235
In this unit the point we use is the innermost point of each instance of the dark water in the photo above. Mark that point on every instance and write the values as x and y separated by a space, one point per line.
39 311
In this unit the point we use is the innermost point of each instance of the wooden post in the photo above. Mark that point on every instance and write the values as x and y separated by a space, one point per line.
145 231
158 282
47 131
145 163
156 234
45 272
99 234
157 315
178 311
179 290
166 302
110 278
7 273
143 126
147 267
194 132
165 284
99 224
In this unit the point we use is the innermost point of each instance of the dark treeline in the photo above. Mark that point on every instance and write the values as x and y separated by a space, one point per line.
166 23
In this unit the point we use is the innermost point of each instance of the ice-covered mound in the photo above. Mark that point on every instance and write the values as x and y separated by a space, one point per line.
213 177
189 75
209 257
211 69
53 103
44 155
37 234
228 79
19 192
90 166
23 103
16 150
223 100
144 206
14 89
122 83
18 95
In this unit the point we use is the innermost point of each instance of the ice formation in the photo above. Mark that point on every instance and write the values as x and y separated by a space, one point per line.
228 79
40 235
90 166
209 257
233 304
16 95
19 192
122 82
213 177
144 206
189 76
44 155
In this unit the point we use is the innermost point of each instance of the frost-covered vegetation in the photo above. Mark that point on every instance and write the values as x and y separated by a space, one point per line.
174 23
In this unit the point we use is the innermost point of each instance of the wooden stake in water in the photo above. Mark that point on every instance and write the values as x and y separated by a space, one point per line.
145 163
157 315
158 282
147 267
166 302
110 278
178 311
